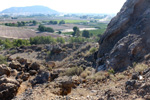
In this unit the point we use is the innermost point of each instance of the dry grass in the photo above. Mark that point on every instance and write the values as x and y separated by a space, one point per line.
99 76
72 71
140 67
87 72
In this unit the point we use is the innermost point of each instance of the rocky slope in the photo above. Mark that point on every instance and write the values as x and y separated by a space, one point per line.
126 39
44 71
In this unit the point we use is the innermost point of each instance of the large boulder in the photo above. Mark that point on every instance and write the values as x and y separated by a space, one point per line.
41 78
15 65
22 60
63 85
34 66
8 88
4 70
126 39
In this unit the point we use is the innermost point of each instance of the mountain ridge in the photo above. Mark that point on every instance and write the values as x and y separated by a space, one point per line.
37 9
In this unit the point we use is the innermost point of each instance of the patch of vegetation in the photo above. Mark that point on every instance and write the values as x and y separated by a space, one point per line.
21 42
78 40
22 23
62 22
76 31
74 71
70 21
60 40
3 60
99 76
12 51
86 34
93 50
53 22
111 71
87 72
42 40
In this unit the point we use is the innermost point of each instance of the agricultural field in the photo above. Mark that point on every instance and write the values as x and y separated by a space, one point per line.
28 31
15 33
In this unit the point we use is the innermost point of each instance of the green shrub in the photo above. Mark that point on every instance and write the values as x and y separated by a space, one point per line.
60 40
42 40
21 42
111 71
78 40
49 29
93 50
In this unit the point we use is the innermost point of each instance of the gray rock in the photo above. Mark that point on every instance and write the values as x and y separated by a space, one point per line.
41 78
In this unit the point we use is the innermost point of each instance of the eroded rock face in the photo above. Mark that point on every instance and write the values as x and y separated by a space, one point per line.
126 39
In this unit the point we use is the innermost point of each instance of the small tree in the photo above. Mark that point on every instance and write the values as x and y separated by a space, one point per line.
41 28
49 29
86 34
76 31
62 22
34 22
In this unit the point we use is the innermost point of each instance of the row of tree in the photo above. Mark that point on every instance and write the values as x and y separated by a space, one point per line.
52 22
22 23
42 28
85 33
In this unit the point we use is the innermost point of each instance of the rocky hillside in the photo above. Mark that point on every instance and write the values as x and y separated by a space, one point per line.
67 72
52 70
118 70
126 40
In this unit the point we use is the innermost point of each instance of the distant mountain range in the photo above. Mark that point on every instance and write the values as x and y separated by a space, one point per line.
29 10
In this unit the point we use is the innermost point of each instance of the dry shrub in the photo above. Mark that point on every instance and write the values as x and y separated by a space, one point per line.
140 67
120 76
87 72
74 71
99 76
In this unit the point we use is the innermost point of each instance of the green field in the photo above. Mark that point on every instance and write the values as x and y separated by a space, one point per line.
101 30
69 21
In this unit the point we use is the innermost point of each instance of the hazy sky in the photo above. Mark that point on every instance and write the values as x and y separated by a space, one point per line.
69 6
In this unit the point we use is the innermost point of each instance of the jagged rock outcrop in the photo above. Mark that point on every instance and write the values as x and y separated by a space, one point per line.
8 88
126 39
